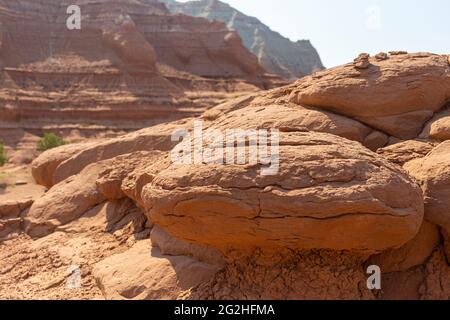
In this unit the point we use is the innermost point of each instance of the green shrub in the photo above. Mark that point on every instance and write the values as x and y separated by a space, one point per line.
3 159
50 141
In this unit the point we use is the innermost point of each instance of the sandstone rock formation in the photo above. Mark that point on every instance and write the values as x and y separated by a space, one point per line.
324 185
414 253
155 277
275 53
405 91
208 230
433 174
43 167
65 202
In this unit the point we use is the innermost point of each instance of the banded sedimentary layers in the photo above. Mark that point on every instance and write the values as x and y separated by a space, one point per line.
132 64
275 53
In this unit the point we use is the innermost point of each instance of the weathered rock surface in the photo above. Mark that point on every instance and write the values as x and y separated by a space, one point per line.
249 112
275 53
65 202
109 182
56 165
414 253
44 268
362 61
10 215
154 138
274 109
403 152
325 185
73 196
438 128
290 118
433 174
396 96
16 197
144 273
12 208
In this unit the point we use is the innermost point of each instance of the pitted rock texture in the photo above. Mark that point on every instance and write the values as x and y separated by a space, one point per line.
58 164
292 275
65 202
324 185
438 128
396 96
43 166
273 110
275 53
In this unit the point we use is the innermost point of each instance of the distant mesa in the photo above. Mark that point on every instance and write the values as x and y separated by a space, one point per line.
275 53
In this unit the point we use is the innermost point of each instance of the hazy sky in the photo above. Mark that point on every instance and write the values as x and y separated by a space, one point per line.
340 29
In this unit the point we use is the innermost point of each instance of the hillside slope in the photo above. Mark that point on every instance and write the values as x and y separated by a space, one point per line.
276 53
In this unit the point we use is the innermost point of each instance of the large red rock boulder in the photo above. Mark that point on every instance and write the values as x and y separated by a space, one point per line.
129 44
58 164
414 253
289 117
43 167
405 151
396 95
329 193
438 128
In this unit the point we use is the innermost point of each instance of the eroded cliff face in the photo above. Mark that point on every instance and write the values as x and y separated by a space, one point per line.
275 53
346 196
131 65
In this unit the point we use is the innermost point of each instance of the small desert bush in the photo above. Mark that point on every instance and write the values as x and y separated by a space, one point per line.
50 141
3 159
